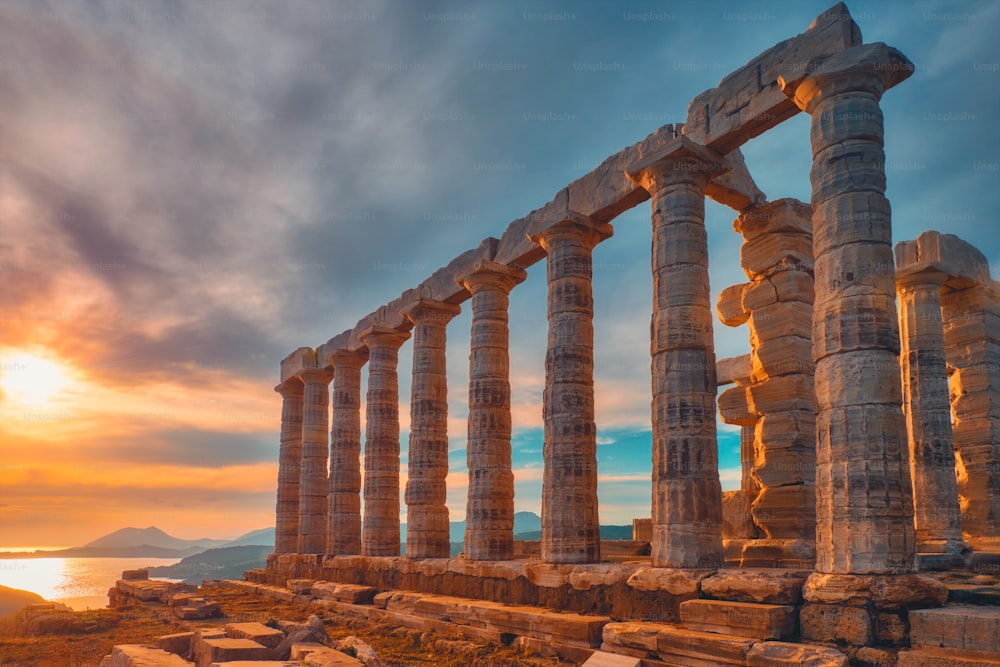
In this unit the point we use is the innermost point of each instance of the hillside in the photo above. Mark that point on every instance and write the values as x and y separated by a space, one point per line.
13 600
125 538
221 563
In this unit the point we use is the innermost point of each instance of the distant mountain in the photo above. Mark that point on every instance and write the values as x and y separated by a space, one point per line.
221 563
523 522
13 600
153 537
264 536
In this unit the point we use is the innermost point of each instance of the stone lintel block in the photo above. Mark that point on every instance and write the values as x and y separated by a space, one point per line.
778 654
484 269
745 619
675 644
872 68
300 360
442 284
946 253
735 187
741 107
681 160
765 585
730 307
837 623
783 217
675 581
733 370
515 248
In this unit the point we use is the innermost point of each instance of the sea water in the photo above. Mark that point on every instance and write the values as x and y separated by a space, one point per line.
80 583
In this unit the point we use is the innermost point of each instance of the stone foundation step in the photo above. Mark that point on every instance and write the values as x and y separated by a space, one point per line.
965 628
665 644
946 657
742 619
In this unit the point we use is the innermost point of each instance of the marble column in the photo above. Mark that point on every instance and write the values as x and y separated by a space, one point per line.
286 531
570 526
428 524
313 484
687 493
927 409
489 518
864 509
343 535
380 535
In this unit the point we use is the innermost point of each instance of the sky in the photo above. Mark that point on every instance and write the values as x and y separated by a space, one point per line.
191 190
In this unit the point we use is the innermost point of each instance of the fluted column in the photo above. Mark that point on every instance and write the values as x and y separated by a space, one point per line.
380 535
864 509
687 493
343 535
286 530
313 485
570 528
927 409
427 519
489 514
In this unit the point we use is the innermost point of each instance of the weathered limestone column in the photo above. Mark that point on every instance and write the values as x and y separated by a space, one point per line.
343 535
864 510
427 517
314 485
380 535
687 494
489 519
570 526
927 409
286 530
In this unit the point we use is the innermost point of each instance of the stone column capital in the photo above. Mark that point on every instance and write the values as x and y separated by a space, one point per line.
870 68
925 278
290 388
574 226
486 274
680 161
429 311
345 358
317 375
383 337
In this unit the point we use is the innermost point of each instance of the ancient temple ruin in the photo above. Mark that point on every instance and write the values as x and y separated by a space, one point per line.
869 406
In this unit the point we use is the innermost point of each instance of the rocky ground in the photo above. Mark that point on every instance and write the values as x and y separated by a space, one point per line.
81 639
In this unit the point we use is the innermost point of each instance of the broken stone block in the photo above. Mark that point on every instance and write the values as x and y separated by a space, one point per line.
207 651
756 585
179 643
836 623
736 520
351 593
743 619
137 655
257 632
778 654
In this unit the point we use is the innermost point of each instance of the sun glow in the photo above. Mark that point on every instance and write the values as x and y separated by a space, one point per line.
31 379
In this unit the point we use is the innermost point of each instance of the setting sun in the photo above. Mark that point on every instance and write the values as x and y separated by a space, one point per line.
31 379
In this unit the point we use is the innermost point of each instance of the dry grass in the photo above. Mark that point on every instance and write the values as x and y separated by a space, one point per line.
81 639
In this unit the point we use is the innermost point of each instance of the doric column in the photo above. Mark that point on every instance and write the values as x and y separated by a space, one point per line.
864 509
313 485
687 494
927 409
343 535
286 531
427 519
570 526
489 517
380 536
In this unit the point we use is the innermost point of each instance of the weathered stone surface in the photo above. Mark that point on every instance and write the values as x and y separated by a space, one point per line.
940 657
570 525
428 519
776 654
344 527
313 481
330 658
380 531
178 642
678 645
676 581
772 253
966 628
730 306
736 519
137 655
744 619
733 370
352 593
734 407
756 585
604 659
687 496
207 651
258 632
836 623
489 523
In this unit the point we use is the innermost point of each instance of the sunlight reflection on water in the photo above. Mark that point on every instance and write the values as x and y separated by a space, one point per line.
80 583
